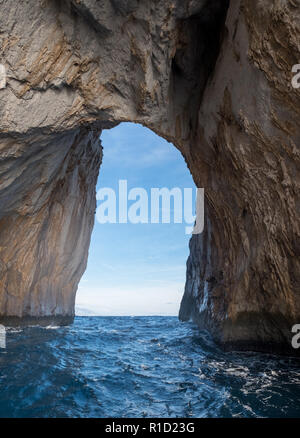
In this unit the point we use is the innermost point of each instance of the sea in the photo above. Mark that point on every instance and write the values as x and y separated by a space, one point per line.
124 367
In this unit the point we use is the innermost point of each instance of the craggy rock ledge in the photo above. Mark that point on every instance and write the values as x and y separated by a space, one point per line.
211 76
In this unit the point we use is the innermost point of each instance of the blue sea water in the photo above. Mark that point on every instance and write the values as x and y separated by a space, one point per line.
139 367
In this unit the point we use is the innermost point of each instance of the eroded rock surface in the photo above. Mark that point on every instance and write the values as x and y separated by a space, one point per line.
211 76
243 273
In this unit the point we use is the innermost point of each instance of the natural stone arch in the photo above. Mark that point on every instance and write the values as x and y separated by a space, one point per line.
220 92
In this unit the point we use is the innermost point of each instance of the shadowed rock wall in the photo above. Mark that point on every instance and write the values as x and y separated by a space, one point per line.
243 273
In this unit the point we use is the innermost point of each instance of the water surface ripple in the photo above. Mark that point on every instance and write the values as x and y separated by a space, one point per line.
139 367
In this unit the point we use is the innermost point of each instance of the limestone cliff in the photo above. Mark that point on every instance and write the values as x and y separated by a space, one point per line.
211 76
243 273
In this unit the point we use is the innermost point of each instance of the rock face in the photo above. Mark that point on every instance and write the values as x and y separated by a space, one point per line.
211 76
243 273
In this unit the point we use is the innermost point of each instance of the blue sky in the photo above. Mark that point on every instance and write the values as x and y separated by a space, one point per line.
136 269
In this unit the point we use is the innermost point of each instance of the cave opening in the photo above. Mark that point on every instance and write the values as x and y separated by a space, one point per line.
137 258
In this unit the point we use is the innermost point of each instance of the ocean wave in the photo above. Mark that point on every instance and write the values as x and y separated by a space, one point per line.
135 366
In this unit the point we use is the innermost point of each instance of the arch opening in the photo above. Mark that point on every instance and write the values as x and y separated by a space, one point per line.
143 222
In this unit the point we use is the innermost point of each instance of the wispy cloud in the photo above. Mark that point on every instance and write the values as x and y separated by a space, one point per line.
136 146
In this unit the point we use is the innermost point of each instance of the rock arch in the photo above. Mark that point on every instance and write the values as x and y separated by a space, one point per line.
212 77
